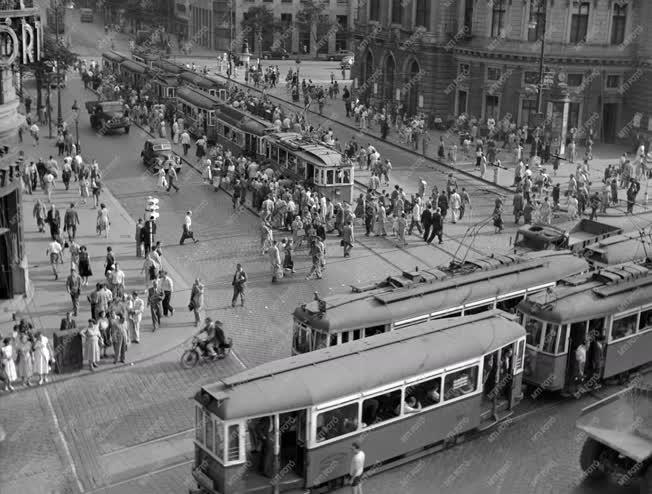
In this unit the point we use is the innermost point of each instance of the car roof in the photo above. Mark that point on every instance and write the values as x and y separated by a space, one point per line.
158 141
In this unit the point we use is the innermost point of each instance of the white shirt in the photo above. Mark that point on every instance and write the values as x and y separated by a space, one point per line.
185 138
416 212
188 221
54 247
118 277
357 464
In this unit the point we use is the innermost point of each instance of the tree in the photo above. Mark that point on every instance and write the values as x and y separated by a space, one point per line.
312 17
259 22
53 50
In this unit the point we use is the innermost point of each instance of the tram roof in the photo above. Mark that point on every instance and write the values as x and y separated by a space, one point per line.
324 375
111 55
243 120
197 98
309 148
620 248
346 312
197 80
134 66
168 66
595 297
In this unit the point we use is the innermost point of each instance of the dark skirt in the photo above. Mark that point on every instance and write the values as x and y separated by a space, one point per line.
85 268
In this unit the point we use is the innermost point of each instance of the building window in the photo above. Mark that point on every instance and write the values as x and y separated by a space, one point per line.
374 10
537 20
574 80
464 69
491 109
498 18
530 78
468 16
397 11
613 82
618 22
528 108
493 73
342 34
573 115
462 97
579 22
286 20
423 14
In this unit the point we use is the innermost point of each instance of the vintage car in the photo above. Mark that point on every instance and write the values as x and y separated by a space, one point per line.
108 115
157 153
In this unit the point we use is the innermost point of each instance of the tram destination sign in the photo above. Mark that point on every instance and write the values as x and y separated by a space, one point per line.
21 34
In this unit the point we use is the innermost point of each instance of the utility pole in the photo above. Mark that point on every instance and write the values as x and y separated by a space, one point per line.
541 19
230 38
56 22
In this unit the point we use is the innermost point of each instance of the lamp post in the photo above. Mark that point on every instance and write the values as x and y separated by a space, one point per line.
57 6
75 113
542 19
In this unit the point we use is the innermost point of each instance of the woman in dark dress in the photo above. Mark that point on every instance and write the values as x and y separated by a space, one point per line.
84 265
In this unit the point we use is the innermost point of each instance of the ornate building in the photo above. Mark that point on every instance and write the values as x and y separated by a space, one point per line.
484 58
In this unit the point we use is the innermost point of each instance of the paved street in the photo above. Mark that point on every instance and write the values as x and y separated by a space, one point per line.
101 432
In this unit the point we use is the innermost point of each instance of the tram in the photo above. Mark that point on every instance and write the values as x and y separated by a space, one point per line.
136 74
301 158
166 67
609 311
204 84
111 61
476 286
165 86
633 246
291 423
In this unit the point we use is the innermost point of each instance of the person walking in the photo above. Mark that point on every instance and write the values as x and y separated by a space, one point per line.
288 251
426 221
415 216
154 299
42 356
437 225
275 262
517 205
92 342
167 285
239 283
55 252
455 202
196 300
138 237
118 281
53 219
73 287
464 203
34 132
120 338
135 310
356 469
172 177
381 219
187 229
103 222
40 214
348 238
70 222
185 142
8 364
401 226
25 360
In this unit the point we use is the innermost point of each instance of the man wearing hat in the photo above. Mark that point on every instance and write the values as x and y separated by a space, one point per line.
147 233
187 229
73 287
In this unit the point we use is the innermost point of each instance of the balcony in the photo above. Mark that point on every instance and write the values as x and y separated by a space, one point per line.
506 49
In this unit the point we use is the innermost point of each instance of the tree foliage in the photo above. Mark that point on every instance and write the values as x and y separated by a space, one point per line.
52 51
313 17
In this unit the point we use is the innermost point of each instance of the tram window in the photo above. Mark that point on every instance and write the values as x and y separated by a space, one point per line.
346 176
356 334
460 383
624 326
427 393
447 314
209 433
561 347
373 331
509 305
301 168
234 443
646 320
301 338
477 310
292 163
211 118
381 408
320 340
227 132
330 177
533 329
520 355
337 422
333 339
345 337
550 340
282 156
596 328
219 439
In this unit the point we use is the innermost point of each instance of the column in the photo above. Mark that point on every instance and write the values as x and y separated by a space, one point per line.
564 126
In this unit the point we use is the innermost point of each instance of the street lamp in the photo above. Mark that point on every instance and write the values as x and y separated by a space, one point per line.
533 25
75 113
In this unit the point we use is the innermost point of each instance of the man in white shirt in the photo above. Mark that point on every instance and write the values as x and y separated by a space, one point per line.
118 281
55 252
187 229
416 216
185 142
167 285
357 467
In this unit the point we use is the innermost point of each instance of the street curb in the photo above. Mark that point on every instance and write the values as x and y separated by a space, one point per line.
357 130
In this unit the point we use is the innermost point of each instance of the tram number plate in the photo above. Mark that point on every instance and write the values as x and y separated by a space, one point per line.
461 382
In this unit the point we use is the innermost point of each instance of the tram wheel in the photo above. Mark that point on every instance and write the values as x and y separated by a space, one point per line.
590 458
189 359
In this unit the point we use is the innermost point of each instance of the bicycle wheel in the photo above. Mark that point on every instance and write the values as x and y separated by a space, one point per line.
189 359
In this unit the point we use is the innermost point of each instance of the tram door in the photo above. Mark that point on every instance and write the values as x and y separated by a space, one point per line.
577 336
292 429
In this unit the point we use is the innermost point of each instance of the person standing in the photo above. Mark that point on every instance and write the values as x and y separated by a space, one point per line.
185 142
135 311
70 221
154 299
426 221
92 341
356 469
348 238
54 251
34 131
187 229
53 219
118 281
455 202
119 338
138 237
25 361
465 201
8 364
239 282
148 235
197 299
73 287
401 226
42 356
167 285
275 262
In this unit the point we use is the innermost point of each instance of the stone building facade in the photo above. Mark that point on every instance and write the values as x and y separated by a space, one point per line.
483 59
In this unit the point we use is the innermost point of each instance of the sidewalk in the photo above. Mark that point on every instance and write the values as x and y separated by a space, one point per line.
51 301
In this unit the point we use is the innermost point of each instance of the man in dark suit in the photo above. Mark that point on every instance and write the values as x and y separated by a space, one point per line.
437 226
70 222
154 302
67 322
426 221
148 232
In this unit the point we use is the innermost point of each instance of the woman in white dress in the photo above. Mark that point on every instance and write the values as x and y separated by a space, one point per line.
91 343
162 181
103 222
42 357
25 361
8 365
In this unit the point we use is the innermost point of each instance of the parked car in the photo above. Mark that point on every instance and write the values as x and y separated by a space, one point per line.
341 55
276 54
108 115
157 153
